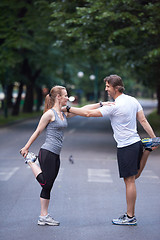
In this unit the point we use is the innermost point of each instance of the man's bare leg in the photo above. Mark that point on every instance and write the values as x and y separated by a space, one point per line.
143 161
130 195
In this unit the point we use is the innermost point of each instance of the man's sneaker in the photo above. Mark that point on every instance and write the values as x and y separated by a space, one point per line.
124 220
47 220
31 157
148 143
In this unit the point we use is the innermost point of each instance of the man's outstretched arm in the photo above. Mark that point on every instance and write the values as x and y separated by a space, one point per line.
145 124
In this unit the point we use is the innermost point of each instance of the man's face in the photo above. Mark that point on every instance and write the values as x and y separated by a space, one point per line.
111 91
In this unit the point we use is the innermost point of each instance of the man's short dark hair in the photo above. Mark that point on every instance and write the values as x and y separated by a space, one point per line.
116 82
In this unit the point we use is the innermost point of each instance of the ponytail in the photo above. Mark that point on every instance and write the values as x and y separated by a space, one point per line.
48 103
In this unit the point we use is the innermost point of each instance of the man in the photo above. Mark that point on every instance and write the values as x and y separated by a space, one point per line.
123 114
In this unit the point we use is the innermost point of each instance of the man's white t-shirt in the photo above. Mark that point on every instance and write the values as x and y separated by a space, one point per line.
123 119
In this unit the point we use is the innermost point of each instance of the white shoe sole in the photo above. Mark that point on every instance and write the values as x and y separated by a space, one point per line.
47 223
128 224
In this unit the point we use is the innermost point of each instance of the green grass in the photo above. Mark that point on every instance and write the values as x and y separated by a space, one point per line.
154 120
21 116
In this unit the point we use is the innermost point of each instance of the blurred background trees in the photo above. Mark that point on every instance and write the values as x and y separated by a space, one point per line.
46 42
28 57
120 36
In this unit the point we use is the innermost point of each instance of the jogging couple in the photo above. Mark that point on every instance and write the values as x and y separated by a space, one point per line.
132 154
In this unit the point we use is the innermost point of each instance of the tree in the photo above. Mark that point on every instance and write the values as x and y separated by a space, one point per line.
26 48
122 32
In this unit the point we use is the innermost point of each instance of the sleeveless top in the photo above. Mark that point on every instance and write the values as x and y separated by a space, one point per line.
54 134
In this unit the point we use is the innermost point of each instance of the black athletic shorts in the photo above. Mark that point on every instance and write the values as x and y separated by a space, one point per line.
129 159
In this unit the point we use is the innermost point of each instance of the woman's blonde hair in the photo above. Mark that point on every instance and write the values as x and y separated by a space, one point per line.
51 96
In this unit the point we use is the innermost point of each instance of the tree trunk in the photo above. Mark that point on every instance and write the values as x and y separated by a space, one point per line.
158 98
16 106
9 95
39 98
29 99
28 103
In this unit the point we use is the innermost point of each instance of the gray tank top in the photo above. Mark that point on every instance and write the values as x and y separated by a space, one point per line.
54 134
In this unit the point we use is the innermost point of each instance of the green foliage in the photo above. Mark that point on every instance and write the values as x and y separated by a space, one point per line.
27 52
122 32
24 37
154 120
46 42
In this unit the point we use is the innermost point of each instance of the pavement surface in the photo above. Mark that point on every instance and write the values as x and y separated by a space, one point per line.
87 194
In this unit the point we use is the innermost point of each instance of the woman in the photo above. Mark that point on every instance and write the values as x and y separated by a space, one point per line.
55 122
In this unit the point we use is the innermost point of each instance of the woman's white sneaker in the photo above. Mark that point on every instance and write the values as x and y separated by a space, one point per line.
47 220
31 157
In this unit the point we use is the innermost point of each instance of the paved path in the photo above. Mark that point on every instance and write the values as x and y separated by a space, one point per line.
87 194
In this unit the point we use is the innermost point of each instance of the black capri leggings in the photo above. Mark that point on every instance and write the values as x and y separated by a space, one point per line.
50 164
